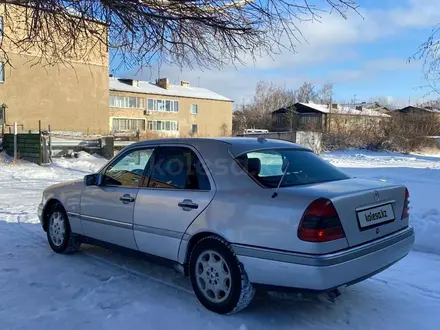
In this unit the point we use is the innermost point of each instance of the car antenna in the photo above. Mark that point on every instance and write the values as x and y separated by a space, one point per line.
275 194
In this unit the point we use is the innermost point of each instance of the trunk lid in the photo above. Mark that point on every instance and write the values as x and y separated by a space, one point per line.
367 209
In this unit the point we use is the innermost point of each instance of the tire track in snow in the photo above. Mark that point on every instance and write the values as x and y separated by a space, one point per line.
424 291
35 239
110 260
136 274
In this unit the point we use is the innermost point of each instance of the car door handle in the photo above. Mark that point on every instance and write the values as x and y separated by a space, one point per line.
188 205
126 199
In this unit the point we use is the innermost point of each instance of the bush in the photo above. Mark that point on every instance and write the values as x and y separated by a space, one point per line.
401 132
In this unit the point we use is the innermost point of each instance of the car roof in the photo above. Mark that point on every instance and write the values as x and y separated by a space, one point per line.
237 145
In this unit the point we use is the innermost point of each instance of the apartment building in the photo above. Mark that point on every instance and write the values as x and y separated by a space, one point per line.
79 96
168 110
70 97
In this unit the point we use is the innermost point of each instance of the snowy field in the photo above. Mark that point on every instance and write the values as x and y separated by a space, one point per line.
99 289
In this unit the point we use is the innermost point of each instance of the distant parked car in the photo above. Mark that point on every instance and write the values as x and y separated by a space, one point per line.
255 131
237 214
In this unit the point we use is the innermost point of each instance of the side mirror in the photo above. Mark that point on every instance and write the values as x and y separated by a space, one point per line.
93 179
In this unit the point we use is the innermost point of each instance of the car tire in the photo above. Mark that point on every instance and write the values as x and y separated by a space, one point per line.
218 278
60 237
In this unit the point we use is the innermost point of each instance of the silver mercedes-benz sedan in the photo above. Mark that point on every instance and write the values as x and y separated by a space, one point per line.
236 215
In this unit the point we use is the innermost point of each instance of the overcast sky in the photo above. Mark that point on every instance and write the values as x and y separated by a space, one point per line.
364 56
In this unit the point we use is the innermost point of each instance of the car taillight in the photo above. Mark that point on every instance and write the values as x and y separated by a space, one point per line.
320 222
405 213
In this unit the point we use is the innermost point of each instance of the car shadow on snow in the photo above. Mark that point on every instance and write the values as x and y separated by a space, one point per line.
27 243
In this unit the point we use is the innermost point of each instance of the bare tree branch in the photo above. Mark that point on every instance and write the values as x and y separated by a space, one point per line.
205 33
429 53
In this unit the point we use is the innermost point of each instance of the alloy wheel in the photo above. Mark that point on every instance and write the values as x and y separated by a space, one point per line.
213 276
57 229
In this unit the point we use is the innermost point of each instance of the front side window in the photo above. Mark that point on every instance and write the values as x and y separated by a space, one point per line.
128 171
178 168
302 167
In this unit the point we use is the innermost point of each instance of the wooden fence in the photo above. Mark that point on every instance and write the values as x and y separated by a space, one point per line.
288 136
29 146
312 140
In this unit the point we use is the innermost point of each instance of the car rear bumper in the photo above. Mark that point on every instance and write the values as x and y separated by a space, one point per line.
324 272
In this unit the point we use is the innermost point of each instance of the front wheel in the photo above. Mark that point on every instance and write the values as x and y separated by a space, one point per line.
59 235
218 279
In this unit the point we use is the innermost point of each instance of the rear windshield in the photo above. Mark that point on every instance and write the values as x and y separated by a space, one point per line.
303 167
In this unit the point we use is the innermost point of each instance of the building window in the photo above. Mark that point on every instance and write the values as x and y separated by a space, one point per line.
150 104
194 129
128 124
163 125
2 72
126 102
307 119
1 26
163 105
194 109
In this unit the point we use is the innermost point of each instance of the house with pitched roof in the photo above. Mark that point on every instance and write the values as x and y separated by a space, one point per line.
80 97
322 117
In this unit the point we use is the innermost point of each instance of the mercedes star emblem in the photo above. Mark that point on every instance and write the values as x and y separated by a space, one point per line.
376 196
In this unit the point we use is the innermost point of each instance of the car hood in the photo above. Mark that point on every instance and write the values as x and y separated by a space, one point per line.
68 185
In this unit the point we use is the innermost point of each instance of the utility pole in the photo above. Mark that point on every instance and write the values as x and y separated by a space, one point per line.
3 108
15 141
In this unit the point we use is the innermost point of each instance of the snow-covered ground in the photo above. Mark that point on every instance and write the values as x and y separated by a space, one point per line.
99 289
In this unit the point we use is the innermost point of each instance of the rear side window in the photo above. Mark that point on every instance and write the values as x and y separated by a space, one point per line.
302 167
178 168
